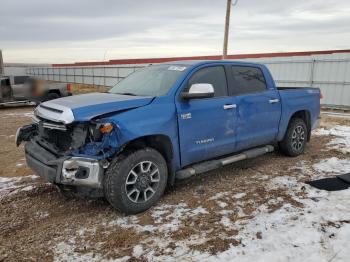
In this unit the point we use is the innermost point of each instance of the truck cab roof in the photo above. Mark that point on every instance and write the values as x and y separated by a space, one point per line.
203 62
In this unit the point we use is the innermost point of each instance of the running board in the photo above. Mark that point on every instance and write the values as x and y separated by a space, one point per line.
214 164
25 102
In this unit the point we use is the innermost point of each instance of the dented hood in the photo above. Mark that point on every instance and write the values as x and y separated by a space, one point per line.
87 106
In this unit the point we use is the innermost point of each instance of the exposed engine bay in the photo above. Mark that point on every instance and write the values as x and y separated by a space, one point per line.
94 139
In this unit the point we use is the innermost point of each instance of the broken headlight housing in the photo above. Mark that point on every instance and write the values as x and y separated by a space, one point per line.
97 130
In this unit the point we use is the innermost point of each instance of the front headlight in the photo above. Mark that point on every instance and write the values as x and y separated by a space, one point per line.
106 128
97 130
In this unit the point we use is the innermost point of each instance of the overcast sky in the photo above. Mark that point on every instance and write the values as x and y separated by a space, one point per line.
93 30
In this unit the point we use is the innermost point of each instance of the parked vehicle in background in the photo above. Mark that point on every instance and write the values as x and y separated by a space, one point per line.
165 122
24 89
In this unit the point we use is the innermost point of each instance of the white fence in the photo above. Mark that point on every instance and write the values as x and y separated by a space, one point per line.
331 75
99 75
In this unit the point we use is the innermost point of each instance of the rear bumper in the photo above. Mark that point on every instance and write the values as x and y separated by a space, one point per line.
66 170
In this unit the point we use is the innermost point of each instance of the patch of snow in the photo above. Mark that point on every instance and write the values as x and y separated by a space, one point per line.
239 195
342 141
282 182
219 195
131 222
137 251
222 204
8 184
12 185
41 214
197 211
27 188
226 222
296 234
66 252
333 165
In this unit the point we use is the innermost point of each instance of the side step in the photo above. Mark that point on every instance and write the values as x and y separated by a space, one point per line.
214 164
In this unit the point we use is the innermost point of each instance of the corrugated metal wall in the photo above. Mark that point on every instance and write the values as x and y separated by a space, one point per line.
331 73
96 75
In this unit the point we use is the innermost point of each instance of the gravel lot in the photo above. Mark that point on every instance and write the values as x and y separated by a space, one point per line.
259 209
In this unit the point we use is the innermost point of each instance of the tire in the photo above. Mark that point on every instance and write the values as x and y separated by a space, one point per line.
52 96
135 180
294 141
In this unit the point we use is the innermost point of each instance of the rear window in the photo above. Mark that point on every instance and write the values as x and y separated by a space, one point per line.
247 80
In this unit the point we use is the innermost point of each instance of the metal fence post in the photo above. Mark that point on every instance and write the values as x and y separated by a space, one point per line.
312 71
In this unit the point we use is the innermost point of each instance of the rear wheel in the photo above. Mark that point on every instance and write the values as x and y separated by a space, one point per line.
294 141
136 180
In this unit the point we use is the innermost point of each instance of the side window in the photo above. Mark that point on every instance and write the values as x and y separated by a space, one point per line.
247 80
5 82
214 75
20 79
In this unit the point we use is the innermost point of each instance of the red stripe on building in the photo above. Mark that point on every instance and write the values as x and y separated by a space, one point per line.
214 57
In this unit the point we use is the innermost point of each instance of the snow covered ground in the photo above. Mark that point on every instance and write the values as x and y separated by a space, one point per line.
315 228
318 231
13 185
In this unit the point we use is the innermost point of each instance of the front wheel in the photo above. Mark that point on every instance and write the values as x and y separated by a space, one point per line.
135 180
294 141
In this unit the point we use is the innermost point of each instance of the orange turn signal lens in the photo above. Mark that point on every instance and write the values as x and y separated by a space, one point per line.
106 128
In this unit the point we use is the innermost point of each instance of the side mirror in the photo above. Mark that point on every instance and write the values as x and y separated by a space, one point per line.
200 90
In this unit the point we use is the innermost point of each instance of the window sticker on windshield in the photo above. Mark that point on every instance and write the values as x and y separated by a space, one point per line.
177 68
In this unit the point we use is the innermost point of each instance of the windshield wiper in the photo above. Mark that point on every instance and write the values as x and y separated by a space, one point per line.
126 94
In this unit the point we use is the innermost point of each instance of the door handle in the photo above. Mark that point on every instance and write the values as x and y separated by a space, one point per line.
274 101
230 106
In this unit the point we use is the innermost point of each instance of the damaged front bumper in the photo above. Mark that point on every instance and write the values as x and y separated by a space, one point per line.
75 171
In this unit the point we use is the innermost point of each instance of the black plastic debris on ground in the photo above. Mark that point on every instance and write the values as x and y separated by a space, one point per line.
345 177
337 183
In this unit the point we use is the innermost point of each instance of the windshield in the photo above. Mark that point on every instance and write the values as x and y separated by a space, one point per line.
150 81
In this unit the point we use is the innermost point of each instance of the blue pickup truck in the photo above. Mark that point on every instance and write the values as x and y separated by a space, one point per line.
165 122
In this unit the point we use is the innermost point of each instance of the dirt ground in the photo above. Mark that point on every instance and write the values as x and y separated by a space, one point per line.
37 223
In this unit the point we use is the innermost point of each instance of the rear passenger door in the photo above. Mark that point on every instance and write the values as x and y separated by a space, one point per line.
258 107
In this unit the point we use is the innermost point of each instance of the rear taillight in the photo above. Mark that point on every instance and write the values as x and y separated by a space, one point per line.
69 87
321 96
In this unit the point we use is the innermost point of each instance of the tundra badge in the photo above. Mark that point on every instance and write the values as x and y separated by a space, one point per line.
186 116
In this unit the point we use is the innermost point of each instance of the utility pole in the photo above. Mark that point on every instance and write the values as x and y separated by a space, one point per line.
1 64
227 26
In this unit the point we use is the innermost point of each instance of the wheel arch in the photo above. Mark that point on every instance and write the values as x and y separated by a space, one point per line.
159 142
306 116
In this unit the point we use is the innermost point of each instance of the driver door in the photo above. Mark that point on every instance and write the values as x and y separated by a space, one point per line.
206 124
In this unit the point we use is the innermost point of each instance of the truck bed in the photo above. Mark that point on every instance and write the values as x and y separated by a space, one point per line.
295 99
